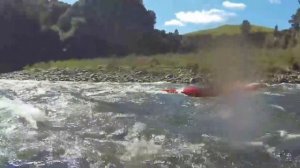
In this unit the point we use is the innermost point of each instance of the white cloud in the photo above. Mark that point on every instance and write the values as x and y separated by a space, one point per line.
174 22
239 6
204 16
275 1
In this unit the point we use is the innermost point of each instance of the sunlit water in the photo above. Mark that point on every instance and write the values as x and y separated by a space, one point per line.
64 124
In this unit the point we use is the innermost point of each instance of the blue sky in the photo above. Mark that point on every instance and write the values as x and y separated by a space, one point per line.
193 15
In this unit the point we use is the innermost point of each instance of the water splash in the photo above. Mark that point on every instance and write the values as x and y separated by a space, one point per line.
16 107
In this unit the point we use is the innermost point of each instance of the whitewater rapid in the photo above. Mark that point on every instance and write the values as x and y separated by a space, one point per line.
81 124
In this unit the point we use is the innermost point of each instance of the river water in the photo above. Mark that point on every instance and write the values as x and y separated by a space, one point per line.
82 125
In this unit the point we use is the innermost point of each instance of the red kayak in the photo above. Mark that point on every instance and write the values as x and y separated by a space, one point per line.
195 91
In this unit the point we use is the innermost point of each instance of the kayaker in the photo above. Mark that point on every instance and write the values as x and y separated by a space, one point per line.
195 91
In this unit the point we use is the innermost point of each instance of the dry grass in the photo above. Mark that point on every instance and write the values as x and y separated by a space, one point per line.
226 63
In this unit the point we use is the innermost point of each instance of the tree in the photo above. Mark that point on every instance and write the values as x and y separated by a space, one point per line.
43 30
22 39
295 21
246 27
276 32
117 24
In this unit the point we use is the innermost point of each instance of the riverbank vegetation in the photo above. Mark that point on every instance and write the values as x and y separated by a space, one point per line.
258 61
114 34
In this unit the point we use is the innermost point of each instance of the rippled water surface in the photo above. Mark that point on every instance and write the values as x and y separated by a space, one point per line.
64 124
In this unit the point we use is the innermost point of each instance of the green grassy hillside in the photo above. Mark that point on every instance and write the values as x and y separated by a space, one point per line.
229 30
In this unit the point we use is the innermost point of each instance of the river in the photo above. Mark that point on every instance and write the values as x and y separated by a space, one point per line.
82 125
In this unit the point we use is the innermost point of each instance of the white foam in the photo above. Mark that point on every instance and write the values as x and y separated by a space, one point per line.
255 143
282 133
193 147
288 136
271 150
277 107
136 129
293 136
287 86
27 111
272 94
140 148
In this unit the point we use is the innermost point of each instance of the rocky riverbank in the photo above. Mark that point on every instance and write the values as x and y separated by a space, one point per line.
178 76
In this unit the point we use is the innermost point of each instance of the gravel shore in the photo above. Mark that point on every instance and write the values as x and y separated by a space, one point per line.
181 76
184 76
